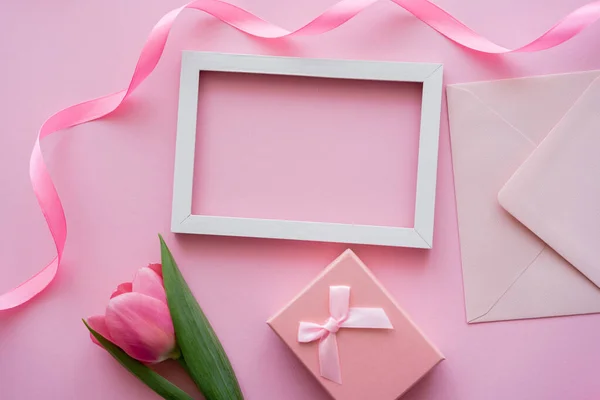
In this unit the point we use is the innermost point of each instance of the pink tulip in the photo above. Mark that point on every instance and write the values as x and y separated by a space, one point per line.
137 318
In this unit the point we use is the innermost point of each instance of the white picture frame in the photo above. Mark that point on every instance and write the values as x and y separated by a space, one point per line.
418 236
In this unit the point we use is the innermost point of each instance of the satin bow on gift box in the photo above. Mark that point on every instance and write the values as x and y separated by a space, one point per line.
341 316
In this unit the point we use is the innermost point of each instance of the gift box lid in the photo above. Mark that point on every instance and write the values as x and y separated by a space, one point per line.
374 364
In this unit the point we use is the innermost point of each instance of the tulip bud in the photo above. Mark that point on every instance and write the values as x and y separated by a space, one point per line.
138 320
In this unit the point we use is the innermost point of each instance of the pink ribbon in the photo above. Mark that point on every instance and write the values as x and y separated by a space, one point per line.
246 22
341 316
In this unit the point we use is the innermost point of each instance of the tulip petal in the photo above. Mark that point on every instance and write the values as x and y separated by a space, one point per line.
141 325
156 268
148 282
122 288
98 323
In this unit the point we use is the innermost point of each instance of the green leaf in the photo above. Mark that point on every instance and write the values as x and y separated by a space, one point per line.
154 381
204 356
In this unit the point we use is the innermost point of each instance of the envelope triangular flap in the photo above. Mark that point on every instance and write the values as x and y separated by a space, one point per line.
556 192
533 105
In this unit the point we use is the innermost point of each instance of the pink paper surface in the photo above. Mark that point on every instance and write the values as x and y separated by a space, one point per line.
369 358
115 176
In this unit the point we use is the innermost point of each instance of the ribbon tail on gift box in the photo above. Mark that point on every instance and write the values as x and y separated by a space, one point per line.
370 318
329 358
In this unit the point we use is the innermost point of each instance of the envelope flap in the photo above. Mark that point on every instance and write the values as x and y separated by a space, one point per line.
533 105
556 191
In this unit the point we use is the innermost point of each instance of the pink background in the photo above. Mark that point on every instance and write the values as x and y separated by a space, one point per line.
115 178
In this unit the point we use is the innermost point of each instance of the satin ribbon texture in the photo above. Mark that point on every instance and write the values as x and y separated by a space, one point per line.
250 24
341 316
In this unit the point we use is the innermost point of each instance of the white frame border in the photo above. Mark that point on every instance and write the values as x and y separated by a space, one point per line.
419 236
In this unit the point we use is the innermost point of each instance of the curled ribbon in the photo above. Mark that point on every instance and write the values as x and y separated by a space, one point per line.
341 316
250 24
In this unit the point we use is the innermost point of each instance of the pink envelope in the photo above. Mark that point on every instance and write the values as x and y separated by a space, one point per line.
375 364
526 156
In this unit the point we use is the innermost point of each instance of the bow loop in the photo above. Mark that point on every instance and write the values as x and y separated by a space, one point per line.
339 302
309 332
341 316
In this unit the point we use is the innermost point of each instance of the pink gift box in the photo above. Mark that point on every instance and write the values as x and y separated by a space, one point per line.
372 363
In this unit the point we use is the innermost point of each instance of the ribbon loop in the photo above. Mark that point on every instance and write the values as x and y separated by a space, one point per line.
345 317
339 302
308 332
